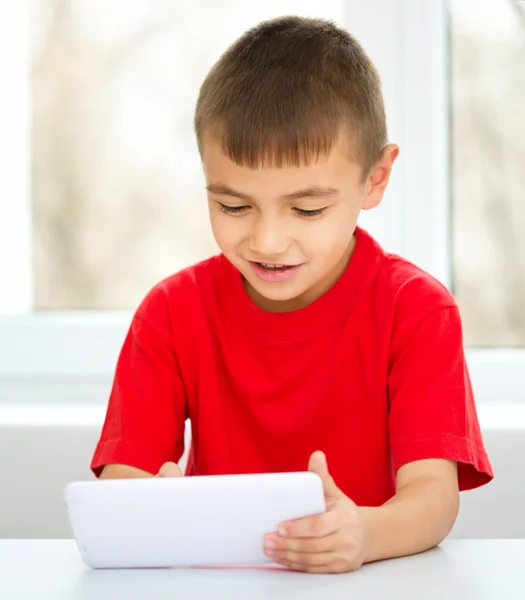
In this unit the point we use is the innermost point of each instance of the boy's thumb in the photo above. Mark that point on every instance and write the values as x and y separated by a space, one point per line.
170 469
318 465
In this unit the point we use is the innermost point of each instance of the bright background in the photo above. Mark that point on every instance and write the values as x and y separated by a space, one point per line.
102 195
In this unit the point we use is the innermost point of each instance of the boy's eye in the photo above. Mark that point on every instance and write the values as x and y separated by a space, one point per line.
310 214
240 210
233 210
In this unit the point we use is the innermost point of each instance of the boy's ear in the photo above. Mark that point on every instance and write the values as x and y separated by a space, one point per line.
379 177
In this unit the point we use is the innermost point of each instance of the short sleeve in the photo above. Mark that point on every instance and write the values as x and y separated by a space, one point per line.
144 425
432 411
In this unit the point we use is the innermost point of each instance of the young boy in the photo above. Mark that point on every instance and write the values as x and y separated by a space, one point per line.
303 344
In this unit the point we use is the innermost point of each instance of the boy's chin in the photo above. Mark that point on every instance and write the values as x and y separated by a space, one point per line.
281 293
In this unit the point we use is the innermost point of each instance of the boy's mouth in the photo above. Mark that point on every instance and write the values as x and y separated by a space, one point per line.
270 267
274 272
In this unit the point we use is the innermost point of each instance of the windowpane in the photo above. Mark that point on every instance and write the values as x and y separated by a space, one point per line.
488 168
117 189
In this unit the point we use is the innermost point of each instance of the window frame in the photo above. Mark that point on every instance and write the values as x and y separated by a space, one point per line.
15 204
86 344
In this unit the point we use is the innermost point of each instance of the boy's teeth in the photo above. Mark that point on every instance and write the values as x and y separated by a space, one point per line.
272 266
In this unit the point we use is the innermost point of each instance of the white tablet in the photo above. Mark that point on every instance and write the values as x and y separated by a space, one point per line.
186 521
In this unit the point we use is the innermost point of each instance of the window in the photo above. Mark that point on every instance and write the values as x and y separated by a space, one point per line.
487 50
102 190
117 191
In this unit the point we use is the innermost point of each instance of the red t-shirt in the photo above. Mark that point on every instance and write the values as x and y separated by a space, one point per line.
373 373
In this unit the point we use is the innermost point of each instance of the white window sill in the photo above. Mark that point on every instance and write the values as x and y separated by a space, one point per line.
78 415
491 416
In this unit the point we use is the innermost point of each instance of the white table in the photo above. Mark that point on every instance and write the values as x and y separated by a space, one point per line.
462 569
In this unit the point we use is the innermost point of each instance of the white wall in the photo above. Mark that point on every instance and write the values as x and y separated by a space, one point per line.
37 461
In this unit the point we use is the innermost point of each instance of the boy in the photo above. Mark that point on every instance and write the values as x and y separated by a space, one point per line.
303 344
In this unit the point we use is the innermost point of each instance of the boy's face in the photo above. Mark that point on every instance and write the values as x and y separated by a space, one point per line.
289 230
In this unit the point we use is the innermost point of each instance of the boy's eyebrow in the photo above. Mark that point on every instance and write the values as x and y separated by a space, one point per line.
314 191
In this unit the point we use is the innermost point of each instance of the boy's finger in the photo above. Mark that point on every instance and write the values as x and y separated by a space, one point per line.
313 526
170 469
318 464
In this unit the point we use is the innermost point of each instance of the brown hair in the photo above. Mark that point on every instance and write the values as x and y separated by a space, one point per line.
281 92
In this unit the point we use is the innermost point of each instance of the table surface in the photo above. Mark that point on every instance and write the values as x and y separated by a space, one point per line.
462 569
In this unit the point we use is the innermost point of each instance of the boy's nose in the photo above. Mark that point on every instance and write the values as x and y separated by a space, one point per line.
268 241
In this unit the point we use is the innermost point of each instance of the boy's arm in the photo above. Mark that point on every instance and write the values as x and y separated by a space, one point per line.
122 472
418 517
147 409
115 471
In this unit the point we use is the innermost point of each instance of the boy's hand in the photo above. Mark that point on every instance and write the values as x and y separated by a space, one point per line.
331 542
170 469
